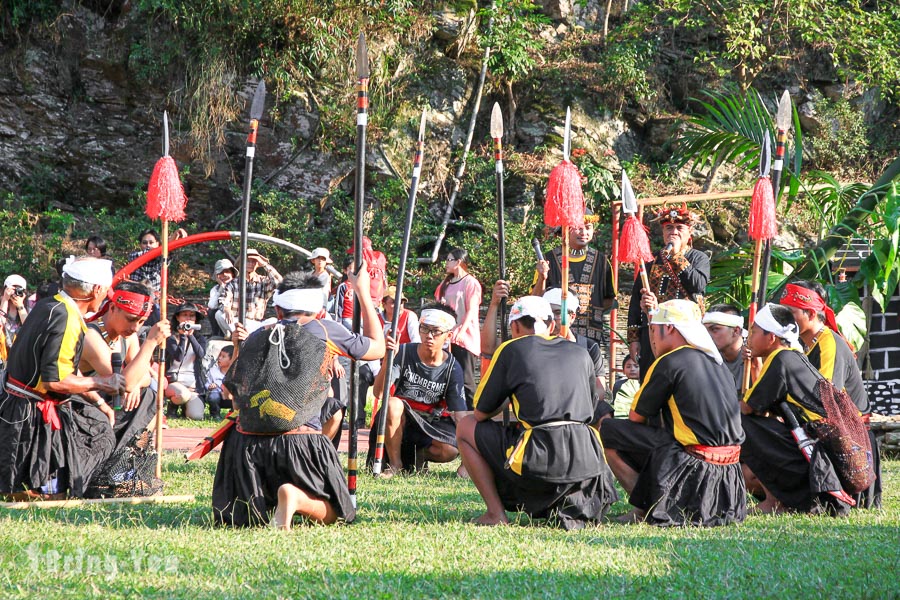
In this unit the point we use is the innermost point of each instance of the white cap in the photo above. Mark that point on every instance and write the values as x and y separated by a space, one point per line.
321 253
15 281
554 297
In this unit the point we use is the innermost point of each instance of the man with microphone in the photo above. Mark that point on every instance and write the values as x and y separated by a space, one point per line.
678 272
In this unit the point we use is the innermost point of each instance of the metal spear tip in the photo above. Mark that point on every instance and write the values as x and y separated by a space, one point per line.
629 202
765 155
496 122
783 118
165 148
259 101
422 125
567 136
362 57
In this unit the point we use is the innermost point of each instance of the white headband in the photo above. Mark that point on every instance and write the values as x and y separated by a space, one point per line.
721 318
437 318
767 323
96 271
310 300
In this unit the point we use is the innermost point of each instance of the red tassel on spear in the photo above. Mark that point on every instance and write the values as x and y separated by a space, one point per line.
165 201
763 227
634 245
564 208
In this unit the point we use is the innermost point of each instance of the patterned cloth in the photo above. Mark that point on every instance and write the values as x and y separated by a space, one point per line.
150 272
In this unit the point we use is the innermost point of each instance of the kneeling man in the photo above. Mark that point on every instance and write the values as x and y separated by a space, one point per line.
550 464
687 471
427 389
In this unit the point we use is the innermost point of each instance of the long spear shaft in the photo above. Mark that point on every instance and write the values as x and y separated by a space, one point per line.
497 135
564 262
362 120
381 423
161 372
256 110
782 125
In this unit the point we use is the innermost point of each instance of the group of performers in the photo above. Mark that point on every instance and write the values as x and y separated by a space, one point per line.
692 447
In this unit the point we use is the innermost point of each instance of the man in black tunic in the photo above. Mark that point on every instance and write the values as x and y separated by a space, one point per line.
589 275
55 428
550 464
770 452
678 271
686 472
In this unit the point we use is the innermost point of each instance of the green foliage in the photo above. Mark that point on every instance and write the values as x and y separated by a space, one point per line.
18 15
30 242
625 70
600 185
880 271
732 131
842 141
512 38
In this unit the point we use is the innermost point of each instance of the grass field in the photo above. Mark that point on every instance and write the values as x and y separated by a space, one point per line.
411 539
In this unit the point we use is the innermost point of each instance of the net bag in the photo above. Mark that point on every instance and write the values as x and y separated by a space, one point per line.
280 379
844 436
129 472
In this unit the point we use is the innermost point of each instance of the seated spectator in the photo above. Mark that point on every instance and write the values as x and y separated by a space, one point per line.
426 395
217 396
184 363
259 288
625 388
95 246
222 298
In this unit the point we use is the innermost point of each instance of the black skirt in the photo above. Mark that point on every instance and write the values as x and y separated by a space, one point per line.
570 505
771 452
252 467
673 487
33 453
418 432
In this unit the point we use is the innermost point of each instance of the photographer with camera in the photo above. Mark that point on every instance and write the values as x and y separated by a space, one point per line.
12 311
185 349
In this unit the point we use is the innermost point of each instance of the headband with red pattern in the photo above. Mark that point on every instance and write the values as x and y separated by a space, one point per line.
130 302
807 299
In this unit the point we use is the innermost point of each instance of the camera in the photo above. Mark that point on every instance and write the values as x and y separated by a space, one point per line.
188 327
19 291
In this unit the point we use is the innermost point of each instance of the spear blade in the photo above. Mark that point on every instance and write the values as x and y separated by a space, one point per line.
567 136
165 133
422 125
629 202
259 101
765 156
496 122
783 117
362 57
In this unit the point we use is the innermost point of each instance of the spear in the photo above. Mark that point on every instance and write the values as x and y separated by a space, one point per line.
564 207
256 111
497 135
782 125
634 245
362 119
381 423
762 228
165 201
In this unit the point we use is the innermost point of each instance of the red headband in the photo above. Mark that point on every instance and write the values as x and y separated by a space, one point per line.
807 299
132 302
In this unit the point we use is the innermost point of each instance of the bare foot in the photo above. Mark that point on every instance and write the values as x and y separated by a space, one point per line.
386 472
635 515
462 473
768 506
288 502
490 520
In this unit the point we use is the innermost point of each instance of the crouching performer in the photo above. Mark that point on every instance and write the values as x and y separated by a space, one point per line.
276 458
687 471
550 464
55 428
426 398
791 479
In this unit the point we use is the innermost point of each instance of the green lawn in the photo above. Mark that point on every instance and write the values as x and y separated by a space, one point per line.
412 539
